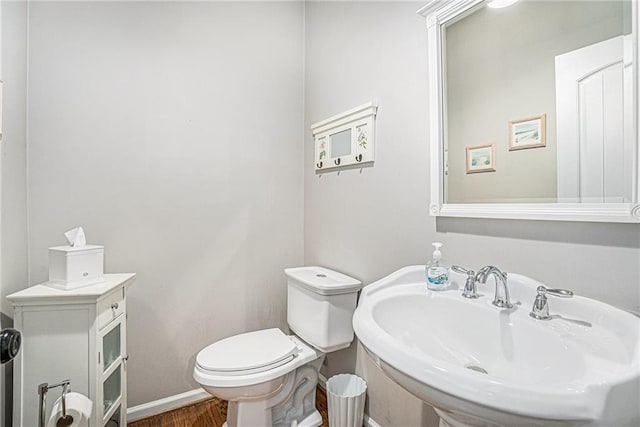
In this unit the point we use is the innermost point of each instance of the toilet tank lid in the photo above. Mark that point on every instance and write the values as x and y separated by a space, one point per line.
323 281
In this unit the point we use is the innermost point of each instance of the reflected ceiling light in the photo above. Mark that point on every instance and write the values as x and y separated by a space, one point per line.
496 4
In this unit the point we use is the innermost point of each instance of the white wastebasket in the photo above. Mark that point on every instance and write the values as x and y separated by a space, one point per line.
345 398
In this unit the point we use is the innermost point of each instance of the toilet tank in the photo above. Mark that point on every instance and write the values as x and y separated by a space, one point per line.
320 306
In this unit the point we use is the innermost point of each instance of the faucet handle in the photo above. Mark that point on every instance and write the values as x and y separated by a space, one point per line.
540 309
463 270
470 285
562 293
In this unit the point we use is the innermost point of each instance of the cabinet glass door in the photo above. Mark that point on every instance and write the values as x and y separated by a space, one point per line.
112 377
111 347
115 419
111 390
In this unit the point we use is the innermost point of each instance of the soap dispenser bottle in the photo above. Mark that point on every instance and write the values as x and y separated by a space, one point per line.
437 274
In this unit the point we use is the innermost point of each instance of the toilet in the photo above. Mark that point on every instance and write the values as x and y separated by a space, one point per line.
270 378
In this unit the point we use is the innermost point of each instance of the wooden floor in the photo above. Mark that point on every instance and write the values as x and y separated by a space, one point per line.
209 413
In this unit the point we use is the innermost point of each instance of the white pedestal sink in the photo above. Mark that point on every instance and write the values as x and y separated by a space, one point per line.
479 365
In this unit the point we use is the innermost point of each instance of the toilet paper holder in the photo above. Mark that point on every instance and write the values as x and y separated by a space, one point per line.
42 393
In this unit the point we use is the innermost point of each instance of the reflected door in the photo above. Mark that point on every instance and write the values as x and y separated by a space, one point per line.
594 112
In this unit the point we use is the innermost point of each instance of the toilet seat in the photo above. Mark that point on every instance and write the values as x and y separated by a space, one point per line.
262 369
248 353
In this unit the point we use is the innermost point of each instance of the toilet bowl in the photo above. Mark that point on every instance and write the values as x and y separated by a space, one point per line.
277 368
268 377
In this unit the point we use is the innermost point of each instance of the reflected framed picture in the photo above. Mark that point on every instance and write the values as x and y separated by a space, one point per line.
529 132
481 158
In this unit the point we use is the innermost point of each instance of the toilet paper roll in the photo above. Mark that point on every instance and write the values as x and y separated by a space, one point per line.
79 407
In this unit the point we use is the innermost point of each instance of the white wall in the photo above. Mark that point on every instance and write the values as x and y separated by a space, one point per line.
13 189
14 151
172 133
370 222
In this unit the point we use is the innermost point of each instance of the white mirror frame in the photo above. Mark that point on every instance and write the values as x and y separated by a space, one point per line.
437 13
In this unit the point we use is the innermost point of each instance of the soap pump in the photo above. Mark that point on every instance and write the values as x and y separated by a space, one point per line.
437 274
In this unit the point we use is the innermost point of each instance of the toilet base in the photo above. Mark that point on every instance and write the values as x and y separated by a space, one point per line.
293 403
313 420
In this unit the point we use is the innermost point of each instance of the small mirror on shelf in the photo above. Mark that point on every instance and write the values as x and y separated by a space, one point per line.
340 143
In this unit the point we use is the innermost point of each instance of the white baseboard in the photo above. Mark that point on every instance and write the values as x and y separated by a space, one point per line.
172 402
166 404
367 420
322 381
370 422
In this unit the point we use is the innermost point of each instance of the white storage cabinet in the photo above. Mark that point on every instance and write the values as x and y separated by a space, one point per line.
77 334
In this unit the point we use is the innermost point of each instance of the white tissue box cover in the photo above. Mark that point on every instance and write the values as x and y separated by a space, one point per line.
75 267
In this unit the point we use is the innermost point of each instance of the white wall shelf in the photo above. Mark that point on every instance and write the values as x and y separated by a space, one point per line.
345 139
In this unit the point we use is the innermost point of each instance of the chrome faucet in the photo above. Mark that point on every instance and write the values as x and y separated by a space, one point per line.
501 298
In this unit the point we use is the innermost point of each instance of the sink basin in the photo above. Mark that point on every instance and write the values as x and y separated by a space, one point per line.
480 365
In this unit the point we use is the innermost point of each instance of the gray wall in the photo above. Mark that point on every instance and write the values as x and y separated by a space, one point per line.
370 222
172 133
13 151
513 77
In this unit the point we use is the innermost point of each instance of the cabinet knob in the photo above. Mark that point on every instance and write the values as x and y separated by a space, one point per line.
114 306
125 358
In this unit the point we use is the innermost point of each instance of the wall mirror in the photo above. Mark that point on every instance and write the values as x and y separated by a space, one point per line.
534 109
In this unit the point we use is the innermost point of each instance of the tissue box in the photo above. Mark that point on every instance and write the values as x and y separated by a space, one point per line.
74 267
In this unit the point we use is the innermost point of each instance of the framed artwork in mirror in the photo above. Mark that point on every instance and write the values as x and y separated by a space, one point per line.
529 132
481 158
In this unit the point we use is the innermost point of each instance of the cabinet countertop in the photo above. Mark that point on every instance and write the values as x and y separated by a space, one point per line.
40 293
